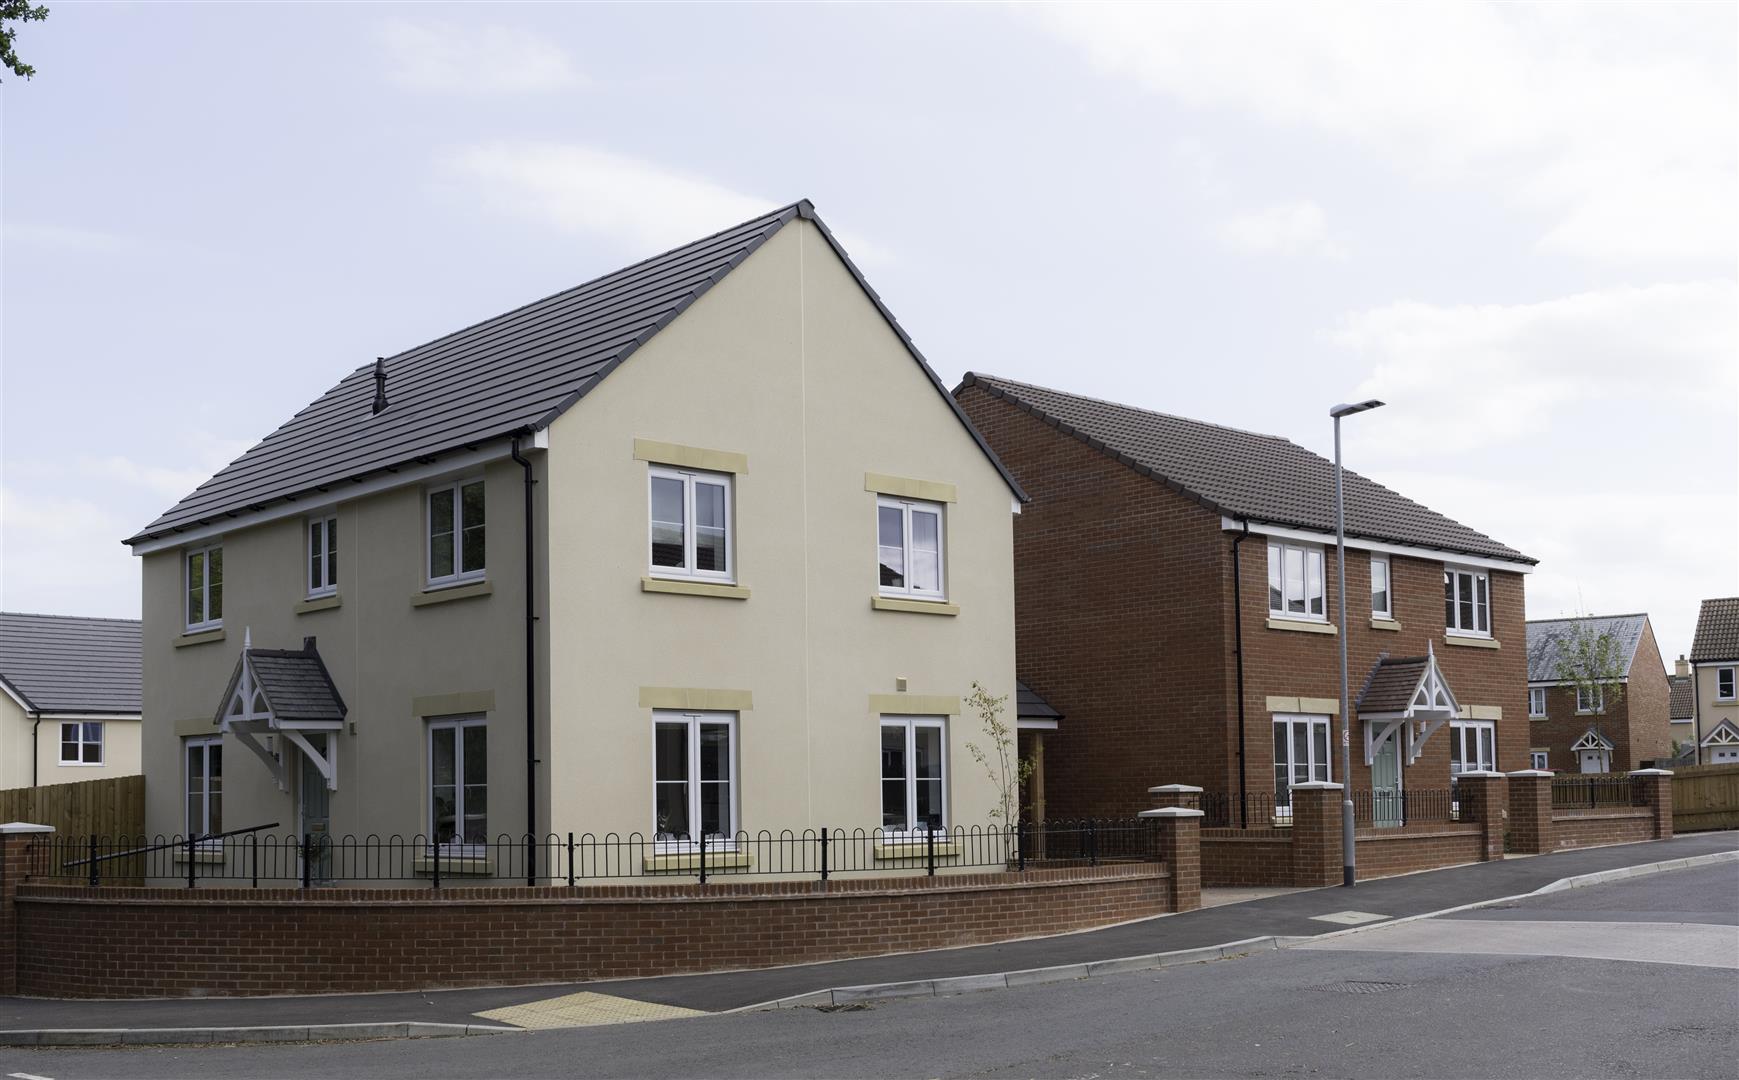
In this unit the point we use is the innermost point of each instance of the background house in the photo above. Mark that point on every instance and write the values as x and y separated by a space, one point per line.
1682 711
69 699
1574 730
1715 665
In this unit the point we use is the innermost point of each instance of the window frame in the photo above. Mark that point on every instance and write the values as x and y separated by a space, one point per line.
1307 554
907 508
1310 721
910 723
459 576
206 622
694 720
690 527
1732 675
1537 759
1598 706
1387 611
327 559
1452 575
1541 691
1459 731
81 730
204 743
457 724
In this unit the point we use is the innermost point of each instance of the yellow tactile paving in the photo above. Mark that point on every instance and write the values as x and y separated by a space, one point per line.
584 1009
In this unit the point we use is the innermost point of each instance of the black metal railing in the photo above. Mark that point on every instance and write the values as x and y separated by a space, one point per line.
256 857
1252 810
1595 791
1409 806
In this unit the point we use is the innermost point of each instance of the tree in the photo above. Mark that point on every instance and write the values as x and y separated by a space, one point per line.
1594 662
13 13
1002 761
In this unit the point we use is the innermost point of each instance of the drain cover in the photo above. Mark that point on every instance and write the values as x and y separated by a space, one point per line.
1349 918
1356 986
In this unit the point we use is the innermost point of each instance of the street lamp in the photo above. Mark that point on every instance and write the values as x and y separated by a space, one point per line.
1349 863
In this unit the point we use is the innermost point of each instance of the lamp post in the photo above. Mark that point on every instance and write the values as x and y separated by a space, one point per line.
1349 863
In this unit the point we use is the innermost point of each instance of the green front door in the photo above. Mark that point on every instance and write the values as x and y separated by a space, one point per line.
1386 805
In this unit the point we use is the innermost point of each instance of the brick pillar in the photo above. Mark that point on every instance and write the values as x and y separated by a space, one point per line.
15 839
1531 828
1316 853
1657 794
1484 797
1190 798
1179 842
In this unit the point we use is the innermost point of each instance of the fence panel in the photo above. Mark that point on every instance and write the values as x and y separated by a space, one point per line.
111 807
1705 797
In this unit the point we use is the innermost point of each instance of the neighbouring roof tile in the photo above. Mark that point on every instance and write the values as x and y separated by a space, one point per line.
1717 635
71 664
1548 638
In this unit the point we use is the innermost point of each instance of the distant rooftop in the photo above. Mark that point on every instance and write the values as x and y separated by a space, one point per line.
70 663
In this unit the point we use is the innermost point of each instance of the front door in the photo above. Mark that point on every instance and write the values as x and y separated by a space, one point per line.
314 813
1386 803
1593 761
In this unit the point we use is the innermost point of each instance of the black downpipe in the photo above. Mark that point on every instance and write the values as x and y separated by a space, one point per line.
1238 651
35 759
530 675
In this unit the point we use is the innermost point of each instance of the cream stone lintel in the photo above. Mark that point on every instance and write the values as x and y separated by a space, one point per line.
920 607
693 588
699 700
1384 624
1471 642
198 639
318 603
690 860
452 592
914 704
1302 625
690 457
466 701
1486 712
195 725
1304 705
928 490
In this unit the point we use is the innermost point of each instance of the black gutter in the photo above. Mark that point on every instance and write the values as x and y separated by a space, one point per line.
530 671
1238 651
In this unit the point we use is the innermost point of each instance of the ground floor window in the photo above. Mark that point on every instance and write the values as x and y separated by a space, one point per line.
914 772
1300 756
694 778
459 780
1537 759
1472 746
81 743
204 785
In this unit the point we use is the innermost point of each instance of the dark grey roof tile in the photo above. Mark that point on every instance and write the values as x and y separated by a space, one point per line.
1548 639
1717 635
71 664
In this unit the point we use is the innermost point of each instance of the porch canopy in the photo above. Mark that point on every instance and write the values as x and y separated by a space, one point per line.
1407 697
1724 735
287 692
1032 712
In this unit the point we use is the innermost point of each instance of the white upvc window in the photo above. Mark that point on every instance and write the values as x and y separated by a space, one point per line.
1472 746
456 541
1295 581
694 779
1537 759
1725 689
1466 601
1536 701
909 548
204 580
1301 755
81 742
204 770
1382 590
691 534
459 782
323 556
914 772
1590 699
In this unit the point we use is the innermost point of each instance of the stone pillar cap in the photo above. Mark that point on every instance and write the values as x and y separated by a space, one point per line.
1173 789
1316 785
1532 772
12 827
1482 772
1651 772
1171 812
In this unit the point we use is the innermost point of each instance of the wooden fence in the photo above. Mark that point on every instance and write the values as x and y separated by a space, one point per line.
111 807
1705 797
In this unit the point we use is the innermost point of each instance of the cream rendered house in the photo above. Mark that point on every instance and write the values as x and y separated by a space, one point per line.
706 534
1715 669
69 699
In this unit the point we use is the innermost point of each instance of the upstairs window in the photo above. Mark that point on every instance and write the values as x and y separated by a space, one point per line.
456 536
81 743
1382 605
205 588
205 785
691 524
322 556
1536 701
1724 686
909 547
1295 582
1466 602
1590 699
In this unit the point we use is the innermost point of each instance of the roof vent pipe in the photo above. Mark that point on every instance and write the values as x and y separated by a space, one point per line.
379 385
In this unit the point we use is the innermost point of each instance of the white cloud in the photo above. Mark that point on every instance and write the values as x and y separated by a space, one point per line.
62 555
442 57
1293 228
64 238
1612 122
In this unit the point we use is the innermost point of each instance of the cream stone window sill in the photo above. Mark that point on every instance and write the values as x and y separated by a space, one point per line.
202 856
318 603
893 850
1384 624
693 588
458 865
203 637
690 861
918 607
452 592
1302 625
1471 642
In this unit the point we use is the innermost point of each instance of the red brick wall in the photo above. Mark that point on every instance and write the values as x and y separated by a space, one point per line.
1592 828
1648 699
146 942
1387 852
1242 858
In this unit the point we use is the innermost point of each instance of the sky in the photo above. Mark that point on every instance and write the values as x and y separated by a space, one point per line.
1515 224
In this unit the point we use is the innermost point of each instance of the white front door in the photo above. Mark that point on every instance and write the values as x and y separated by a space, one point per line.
1593 761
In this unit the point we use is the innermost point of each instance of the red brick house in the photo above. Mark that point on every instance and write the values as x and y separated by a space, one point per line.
1579 730
1175 601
